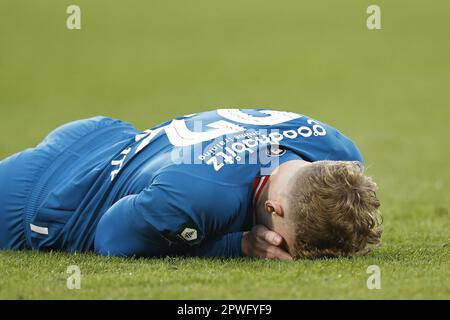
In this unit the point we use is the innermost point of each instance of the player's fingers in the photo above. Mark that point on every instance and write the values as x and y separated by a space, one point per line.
277 253
270 236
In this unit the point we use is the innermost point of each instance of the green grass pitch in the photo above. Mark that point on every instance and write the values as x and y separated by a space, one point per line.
148 61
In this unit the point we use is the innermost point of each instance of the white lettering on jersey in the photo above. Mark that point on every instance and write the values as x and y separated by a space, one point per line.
145 141
317 128
142 135
252 143
274 117
180 136
119 163
215 162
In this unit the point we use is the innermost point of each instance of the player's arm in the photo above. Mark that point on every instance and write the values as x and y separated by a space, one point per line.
153 223
123 231
227 246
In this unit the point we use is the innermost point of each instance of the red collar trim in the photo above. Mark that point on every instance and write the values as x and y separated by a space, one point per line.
258 186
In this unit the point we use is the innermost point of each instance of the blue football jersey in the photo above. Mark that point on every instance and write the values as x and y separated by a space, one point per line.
183 187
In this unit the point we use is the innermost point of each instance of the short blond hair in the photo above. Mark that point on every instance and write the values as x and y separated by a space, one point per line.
335 211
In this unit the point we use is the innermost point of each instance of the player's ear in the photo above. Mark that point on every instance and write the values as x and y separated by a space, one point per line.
274 207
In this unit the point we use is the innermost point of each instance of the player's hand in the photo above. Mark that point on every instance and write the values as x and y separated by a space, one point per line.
261 242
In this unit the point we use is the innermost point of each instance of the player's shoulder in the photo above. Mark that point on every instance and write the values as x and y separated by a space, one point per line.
342 147
187 193
196 176
200 185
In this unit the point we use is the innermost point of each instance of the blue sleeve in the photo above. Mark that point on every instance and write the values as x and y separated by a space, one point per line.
149 225
228 246
123 232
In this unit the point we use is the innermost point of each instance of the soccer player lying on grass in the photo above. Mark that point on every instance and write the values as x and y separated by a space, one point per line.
225 183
